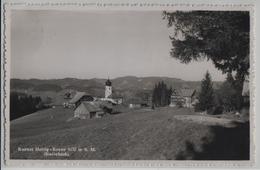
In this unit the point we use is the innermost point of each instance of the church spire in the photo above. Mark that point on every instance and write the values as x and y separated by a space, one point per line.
108 82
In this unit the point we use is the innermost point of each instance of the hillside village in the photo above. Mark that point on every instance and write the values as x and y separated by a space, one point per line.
87 106
114 126
85 102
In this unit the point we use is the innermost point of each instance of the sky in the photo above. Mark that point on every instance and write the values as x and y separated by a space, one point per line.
96 44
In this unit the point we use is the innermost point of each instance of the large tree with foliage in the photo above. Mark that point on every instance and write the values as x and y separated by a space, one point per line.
220 36
206 95
227 94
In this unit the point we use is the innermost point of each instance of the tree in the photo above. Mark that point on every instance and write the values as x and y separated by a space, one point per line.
227 94
206 95
144 95
161 94
220 36
21 104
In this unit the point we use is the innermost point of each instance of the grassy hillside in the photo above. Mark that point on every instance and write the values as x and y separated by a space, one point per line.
132 135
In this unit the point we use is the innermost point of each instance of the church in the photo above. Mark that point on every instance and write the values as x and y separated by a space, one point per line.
109 96
108 89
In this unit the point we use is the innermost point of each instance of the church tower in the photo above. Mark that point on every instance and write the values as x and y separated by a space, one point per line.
108 89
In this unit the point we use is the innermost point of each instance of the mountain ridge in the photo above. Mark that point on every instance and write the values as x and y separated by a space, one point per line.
122 83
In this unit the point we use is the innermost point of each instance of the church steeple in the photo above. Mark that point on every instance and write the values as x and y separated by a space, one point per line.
108 82
108 89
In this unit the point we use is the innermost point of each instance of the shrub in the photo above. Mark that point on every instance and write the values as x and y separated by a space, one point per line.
216 110
206 95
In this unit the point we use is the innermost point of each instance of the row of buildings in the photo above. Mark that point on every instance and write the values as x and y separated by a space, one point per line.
87 106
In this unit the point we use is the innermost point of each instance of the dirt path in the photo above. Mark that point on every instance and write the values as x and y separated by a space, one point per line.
208 120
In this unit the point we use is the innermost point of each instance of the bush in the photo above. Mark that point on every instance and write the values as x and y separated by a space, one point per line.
179 104
216 110
228 96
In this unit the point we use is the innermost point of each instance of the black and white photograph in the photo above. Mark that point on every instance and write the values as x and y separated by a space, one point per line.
130 85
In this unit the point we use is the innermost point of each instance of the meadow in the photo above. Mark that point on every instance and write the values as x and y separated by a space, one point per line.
138 134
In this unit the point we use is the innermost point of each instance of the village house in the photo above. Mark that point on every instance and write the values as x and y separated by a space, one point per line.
176 98
80 97
88 110
87 106
92 109
117 98
184 97
189 96
136 103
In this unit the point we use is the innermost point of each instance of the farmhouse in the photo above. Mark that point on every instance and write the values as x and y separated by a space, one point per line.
106 106
80 97
176 98
118 99
184 97
88 110
87 107
136 103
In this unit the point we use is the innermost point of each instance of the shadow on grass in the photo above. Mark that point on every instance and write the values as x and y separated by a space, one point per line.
116 112
226 144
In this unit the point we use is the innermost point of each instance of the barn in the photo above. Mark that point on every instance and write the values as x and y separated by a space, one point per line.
80 97
88 110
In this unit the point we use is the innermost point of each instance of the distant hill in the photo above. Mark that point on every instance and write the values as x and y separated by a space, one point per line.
47 87
20 84
127 86
131 82
121 83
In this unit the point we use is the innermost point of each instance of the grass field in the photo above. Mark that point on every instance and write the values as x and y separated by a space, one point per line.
144 134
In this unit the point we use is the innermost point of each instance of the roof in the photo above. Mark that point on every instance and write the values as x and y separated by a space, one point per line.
91 106
135 101
108 82
187 92
116 95
183 92
77 97
176 92
103 104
